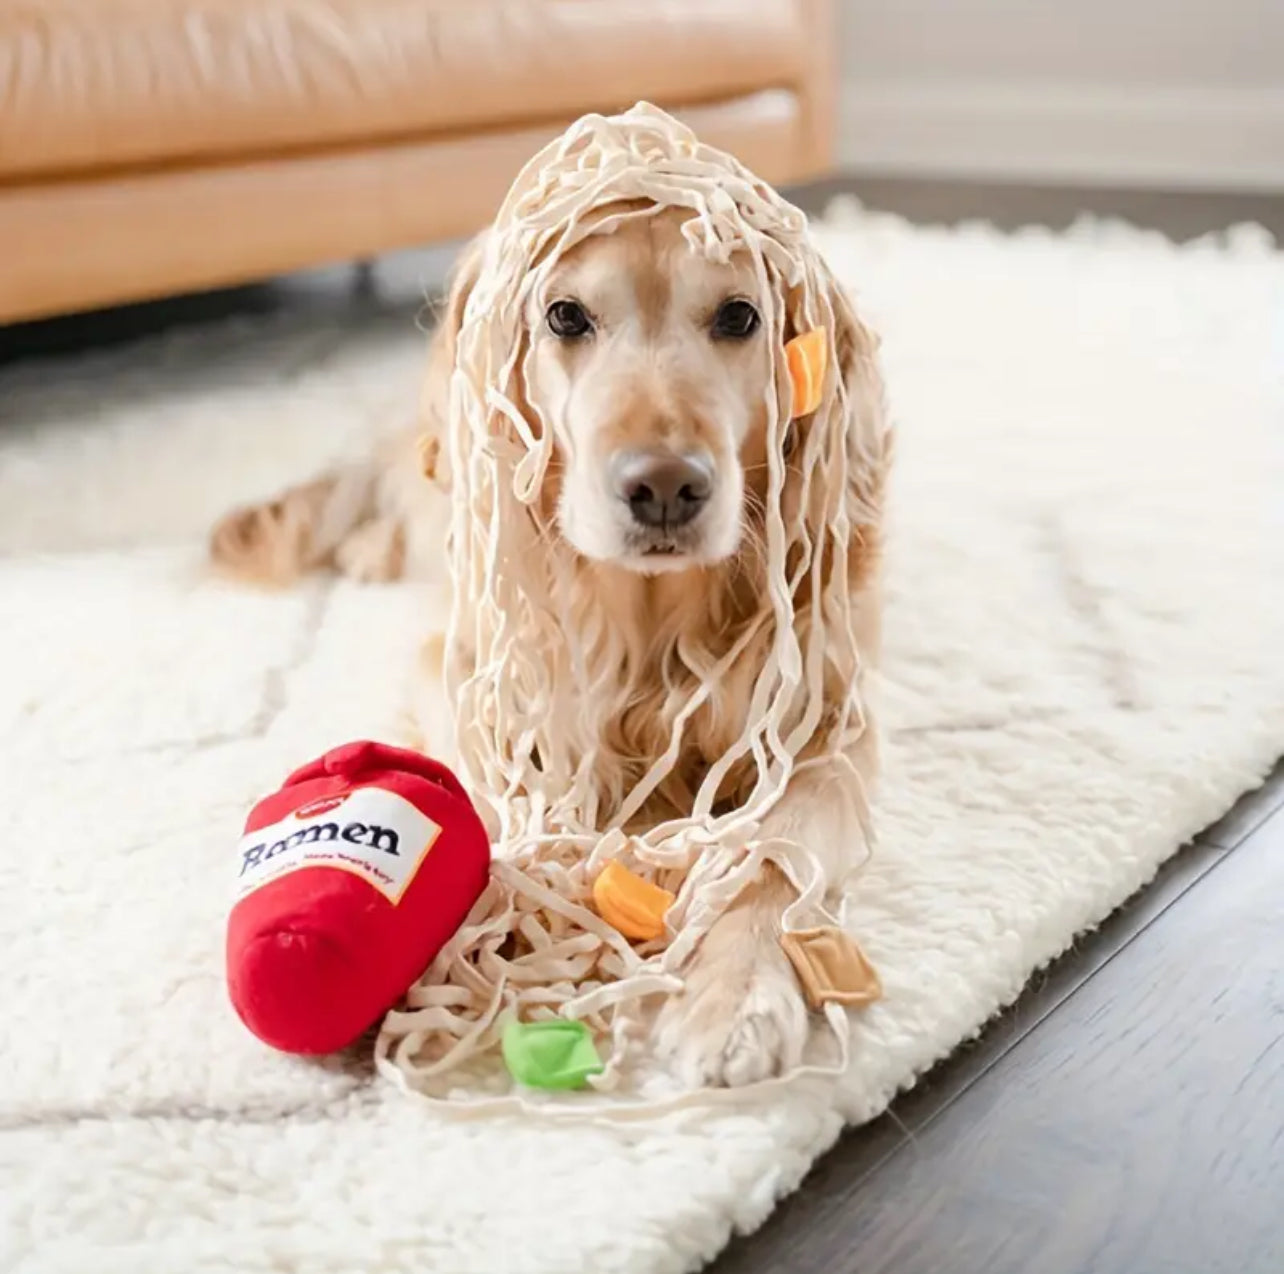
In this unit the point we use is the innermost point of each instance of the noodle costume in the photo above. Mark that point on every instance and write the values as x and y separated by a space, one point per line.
521 668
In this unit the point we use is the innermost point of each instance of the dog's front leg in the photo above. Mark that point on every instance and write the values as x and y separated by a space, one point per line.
741 1017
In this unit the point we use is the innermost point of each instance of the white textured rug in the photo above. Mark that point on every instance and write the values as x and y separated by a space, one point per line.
1084 668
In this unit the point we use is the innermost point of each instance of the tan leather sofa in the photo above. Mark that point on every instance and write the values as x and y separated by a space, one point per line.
149 147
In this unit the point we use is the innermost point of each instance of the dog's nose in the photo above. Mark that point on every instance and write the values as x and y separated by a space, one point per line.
662 489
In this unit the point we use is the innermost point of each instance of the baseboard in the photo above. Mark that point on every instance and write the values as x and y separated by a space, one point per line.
1208 138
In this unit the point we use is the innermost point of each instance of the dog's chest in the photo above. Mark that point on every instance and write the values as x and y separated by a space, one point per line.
643 731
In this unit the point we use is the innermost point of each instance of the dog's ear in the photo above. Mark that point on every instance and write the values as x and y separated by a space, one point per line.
868 439
435 396
462 281
861 434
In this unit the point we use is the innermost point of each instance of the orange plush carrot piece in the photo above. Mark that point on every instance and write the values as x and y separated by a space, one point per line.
808 356
633 905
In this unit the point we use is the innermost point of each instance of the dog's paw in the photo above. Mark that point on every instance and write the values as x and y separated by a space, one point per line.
262 544
734 1024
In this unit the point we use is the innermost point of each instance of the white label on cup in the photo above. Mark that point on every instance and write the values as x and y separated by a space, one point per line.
371 832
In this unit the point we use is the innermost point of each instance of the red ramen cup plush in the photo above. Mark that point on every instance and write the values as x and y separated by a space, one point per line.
350 879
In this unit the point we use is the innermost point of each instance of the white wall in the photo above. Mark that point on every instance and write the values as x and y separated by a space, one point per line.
1138 92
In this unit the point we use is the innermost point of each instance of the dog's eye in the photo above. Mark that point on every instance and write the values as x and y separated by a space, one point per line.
568 319
735 320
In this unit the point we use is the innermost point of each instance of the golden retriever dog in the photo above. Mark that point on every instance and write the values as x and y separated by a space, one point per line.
648 356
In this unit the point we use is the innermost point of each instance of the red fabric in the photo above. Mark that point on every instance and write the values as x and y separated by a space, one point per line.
318 953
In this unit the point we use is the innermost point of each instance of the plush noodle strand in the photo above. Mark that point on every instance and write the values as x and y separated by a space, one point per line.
521 662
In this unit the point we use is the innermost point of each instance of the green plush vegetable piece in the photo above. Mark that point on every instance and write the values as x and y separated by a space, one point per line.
558 1055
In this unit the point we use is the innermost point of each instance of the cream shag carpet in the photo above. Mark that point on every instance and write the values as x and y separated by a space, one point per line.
1084 668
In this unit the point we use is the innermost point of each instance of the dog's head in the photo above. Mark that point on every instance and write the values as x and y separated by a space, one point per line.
655 366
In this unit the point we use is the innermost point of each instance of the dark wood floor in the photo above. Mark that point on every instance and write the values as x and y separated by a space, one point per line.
1181 215
1126 1116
